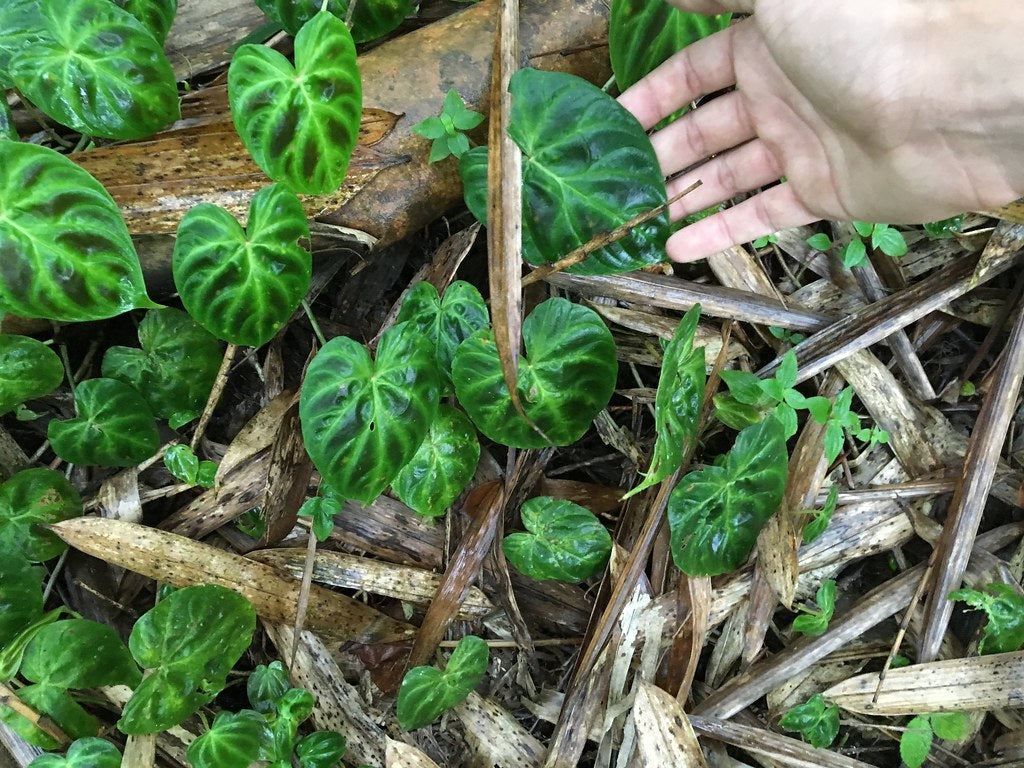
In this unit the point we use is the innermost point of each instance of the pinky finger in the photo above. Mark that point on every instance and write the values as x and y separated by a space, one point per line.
760 215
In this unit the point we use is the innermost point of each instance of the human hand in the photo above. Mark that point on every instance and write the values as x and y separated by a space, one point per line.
879 110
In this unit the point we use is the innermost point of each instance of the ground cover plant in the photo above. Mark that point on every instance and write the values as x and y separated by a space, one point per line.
630 499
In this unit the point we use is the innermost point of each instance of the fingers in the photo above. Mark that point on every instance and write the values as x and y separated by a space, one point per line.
714 127
743 169
710 6
763 214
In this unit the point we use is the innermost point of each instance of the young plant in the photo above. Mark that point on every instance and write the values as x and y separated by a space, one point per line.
817 723
916 741
446 130
815 622
87 752
882 237
1004 606
321 509
841 419
761 242
564 542
28 369
821 517
370 20
183 463
29 501
786 335
427 692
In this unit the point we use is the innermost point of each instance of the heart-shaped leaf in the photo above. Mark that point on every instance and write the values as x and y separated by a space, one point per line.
189 641
156 15
21 596
565 379
577 183
447 322
320 749
87 752
425 692
644 33
175 369
363 420
79 654
21 24
243 285
442 466
114 426
98 70
233 741
266 685
716 513
300 124
28 369
370 18
28 501
65 249
565 541
677 403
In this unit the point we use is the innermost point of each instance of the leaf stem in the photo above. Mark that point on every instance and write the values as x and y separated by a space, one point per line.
312 321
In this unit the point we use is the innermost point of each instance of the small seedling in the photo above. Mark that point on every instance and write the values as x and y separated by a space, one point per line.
427 692
446 129
816 723
882 237
822 517
761 242
1004 631
815 622
785 334
916 741
941 230
182 462
841 418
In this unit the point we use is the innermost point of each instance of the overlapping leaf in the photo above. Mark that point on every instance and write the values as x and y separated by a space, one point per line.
320 749
233 741
21 596
578 182
300 124
156 15
30 500
565 379
87 752
427 692
370 18
28 369
363 420
97 69
65 249
21 24
564 541
7 129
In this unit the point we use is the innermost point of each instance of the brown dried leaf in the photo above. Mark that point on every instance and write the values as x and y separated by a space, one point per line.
257 435
664 735
402 755
495 737
287 478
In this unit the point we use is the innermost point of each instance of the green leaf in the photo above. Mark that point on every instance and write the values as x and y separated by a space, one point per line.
174 370
426 693
1004 631
916 741
447 322
577 183
677 402
233 741
7 129
815 722
21 598
28 369
744 387
242 285
442 466
114 426
565 541
458 145
54 702
819 408
735 414
431 128
207 474
641 35
787 416
78 653
189 641
323 511
716 513
786 375
819 242
30 500
833 440
98 70
941 230
950 726
66 251
822 517
156 15
300 123
888 240
21 25
87 752
854 253
370 19
363 420
182 462
439 150
266 685
816 622
320 749
863 228
14 650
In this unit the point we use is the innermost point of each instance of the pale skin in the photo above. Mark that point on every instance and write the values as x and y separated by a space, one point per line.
900 111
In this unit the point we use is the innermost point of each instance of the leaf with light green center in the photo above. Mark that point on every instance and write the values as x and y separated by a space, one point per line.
564 542
426 692
565 378
443 465
816 723
577 183
65 252
242 285
7 129
21 25
189 641
266 685
97 69
114 426
716 513
29 500
447 322
364 419
233 741
174 370
28 369
370 18
156 16
87 752
816 622
21 597
320 749
916 741
300 124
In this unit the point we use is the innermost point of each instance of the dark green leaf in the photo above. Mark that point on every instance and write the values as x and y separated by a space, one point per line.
266 685
14 650
819 242
7 129
300 123
363 420
744 387
566 377
66 251
735 414
54 702
941 230
21 598
29 500
577 183
370 19
320 749
79 654
822 517
28 369
716 513
156 15
815 722
98 70
182 462
242 285
950 726
565 541
233 741
21 25
916 741
206 474
888 240
87 752
426 693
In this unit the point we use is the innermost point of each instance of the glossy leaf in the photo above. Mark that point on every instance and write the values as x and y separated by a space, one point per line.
175 368
242 285
716 513
564 541
566 377
1004 631
55 703
363 419
182 462
814 721
950 726
233 741
14 650
98 70
21 25
21 597
677 402
79 653
300 123
320 749
370 19
7 129
442 466
447 322
426 692
87 752
114 426
577 183
28 501
266 685
156 15
644 33
190 641
916 741
65 249
28 369
816 622
888 240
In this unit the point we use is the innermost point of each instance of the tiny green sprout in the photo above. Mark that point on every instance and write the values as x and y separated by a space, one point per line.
883 237
941 230
815 622
446 129
761 242
822 517
816 723
1004 631
785 334
819 242
839 418
182 462
967 389
916 741
252 522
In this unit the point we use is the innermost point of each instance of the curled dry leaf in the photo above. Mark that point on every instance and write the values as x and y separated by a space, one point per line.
664 735
402 755
495 737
